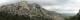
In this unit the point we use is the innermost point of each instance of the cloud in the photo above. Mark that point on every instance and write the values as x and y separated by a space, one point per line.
4 2
47 2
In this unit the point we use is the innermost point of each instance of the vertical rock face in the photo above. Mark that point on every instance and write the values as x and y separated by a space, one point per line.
76 17
24 11
78 13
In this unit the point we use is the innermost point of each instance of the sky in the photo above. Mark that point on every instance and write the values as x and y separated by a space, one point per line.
4 2
68 7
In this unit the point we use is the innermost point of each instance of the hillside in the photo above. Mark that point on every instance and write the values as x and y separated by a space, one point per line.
24 11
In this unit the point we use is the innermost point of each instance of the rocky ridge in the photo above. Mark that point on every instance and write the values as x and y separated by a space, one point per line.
24 11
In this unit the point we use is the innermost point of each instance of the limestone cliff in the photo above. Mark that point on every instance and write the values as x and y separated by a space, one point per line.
24 11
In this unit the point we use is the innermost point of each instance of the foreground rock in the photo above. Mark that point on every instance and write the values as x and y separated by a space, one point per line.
76 17
24 11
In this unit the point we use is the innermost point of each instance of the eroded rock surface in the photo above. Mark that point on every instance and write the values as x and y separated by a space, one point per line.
24 11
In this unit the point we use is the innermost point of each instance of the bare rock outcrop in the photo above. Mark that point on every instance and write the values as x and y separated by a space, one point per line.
24 11
76 17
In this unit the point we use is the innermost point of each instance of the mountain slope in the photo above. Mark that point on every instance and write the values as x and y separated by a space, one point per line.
24 11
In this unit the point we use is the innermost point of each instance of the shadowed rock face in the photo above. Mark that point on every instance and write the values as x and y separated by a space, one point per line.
24 11
76 17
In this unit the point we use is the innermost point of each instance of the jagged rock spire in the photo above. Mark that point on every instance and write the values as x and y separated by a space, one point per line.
24 5
78 12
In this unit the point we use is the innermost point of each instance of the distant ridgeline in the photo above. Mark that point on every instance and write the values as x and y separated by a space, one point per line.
24 11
